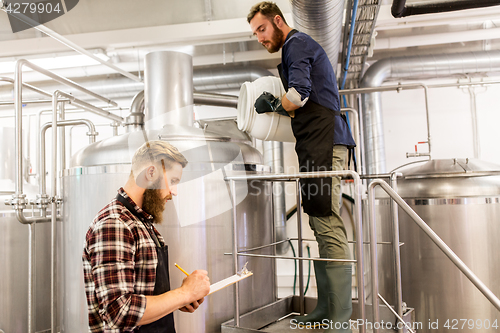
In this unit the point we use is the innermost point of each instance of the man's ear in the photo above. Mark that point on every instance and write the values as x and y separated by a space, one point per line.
146 177
151 173
278 21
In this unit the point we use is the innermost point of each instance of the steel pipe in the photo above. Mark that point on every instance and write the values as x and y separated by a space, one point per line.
204 81
22 62
29 86
400 9
43 196
273 157
228 101
92 136
441 65
68 43
396 314
53 215
300 249
226 78
18 115
374 256
39 101
475 129
19 199
396 247
235 256
292 258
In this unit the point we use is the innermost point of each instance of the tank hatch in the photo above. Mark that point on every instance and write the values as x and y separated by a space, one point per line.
456 167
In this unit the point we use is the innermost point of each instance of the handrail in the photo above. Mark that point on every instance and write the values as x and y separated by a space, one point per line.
396 248
494 300
358 190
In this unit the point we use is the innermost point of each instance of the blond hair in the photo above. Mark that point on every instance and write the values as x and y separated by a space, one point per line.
156 153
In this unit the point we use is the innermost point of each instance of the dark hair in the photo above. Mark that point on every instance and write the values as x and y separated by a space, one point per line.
266 8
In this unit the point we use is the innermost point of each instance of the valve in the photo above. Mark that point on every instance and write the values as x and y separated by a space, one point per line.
416 153
18 201
41 201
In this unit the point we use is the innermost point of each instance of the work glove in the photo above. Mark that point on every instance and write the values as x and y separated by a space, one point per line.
268 103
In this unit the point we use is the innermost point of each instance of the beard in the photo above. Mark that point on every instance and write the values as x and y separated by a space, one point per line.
274 45
154 204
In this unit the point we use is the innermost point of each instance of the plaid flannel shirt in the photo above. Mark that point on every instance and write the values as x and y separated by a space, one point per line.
119 263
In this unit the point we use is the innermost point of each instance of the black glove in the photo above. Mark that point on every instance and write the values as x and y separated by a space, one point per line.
268 103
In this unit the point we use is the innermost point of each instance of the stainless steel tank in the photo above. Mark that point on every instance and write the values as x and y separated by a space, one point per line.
386 266
462 205
14 253
197 224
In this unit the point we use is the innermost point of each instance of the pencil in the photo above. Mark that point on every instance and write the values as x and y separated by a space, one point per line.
183 271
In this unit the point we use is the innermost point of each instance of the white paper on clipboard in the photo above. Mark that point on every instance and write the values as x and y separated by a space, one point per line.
228 281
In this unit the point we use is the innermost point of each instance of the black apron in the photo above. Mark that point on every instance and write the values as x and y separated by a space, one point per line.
313 128
162 280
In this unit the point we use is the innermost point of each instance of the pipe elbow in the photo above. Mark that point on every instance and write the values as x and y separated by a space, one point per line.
399 9
397 13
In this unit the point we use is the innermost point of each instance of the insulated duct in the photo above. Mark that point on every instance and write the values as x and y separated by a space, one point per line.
226 77
400 9
412 67
322 20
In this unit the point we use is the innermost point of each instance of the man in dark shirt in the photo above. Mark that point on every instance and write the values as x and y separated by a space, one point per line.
322 140
125 259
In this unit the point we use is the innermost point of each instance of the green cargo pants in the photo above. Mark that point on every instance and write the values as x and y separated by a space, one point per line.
329 231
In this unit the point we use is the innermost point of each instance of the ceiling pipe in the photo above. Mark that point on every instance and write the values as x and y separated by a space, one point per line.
204 80
400 9
414 67
226 77
322 20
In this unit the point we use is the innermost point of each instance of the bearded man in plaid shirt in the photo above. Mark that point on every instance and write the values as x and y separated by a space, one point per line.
125 259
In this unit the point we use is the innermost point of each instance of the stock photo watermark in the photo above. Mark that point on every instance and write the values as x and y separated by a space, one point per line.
24 14
449 324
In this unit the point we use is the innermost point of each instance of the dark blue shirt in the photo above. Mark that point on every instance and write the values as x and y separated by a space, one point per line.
306 67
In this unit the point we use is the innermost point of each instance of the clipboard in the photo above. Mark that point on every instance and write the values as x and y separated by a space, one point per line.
243 274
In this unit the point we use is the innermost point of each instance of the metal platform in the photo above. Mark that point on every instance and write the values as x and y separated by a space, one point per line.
278 317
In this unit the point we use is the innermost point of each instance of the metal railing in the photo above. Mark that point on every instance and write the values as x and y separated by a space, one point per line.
398 201
358 227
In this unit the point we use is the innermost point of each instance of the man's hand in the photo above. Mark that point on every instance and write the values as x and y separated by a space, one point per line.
197 285
266 102
193 306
